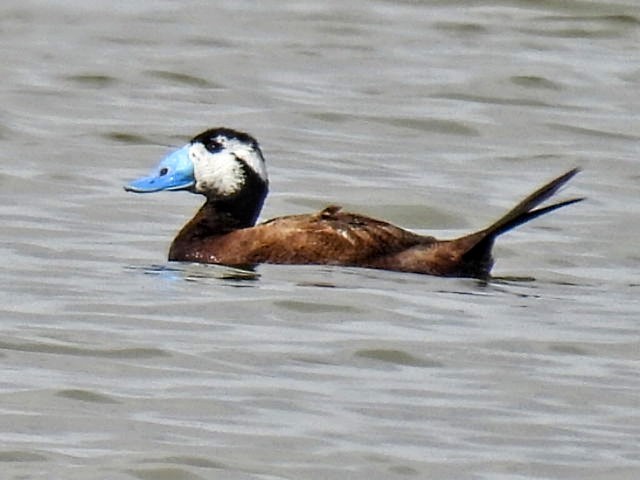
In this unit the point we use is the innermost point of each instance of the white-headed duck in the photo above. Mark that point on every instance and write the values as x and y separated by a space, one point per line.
228 168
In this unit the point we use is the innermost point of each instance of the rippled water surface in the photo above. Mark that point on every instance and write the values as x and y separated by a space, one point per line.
116 364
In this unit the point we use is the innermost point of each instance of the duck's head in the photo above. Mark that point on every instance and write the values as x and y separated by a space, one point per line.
219 163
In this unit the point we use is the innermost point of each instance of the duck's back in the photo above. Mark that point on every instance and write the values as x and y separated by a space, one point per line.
330 236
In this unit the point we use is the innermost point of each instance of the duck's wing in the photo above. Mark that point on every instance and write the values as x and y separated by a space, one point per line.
330 236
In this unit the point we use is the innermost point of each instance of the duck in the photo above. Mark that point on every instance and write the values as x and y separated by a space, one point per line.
228 168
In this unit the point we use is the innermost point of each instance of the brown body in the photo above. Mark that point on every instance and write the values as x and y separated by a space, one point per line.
335 237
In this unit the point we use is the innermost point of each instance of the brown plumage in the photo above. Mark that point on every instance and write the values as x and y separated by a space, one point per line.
224 231
335 237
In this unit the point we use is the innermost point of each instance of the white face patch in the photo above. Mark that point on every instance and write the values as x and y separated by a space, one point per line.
251 156
215 172
221 172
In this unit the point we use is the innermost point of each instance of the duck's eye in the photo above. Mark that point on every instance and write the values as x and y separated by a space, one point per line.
214 146
164 171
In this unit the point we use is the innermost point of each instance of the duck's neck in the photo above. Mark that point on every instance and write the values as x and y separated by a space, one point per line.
217 217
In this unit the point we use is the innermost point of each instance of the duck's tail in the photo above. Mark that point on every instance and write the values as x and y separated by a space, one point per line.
526 210
477 261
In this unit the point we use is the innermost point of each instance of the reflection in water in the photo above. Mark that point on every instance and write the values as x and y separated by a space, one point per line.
196 271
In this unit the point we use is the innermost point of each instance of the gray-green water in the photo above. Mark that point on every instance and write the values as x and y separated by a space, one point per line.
115 364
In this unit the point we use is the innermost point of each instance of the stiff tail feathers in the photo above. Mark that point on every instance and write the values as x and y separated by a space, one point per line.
477 259
526 210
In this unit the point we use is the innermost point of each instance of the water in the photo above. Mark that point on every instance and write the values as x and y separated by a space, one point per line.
435 115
